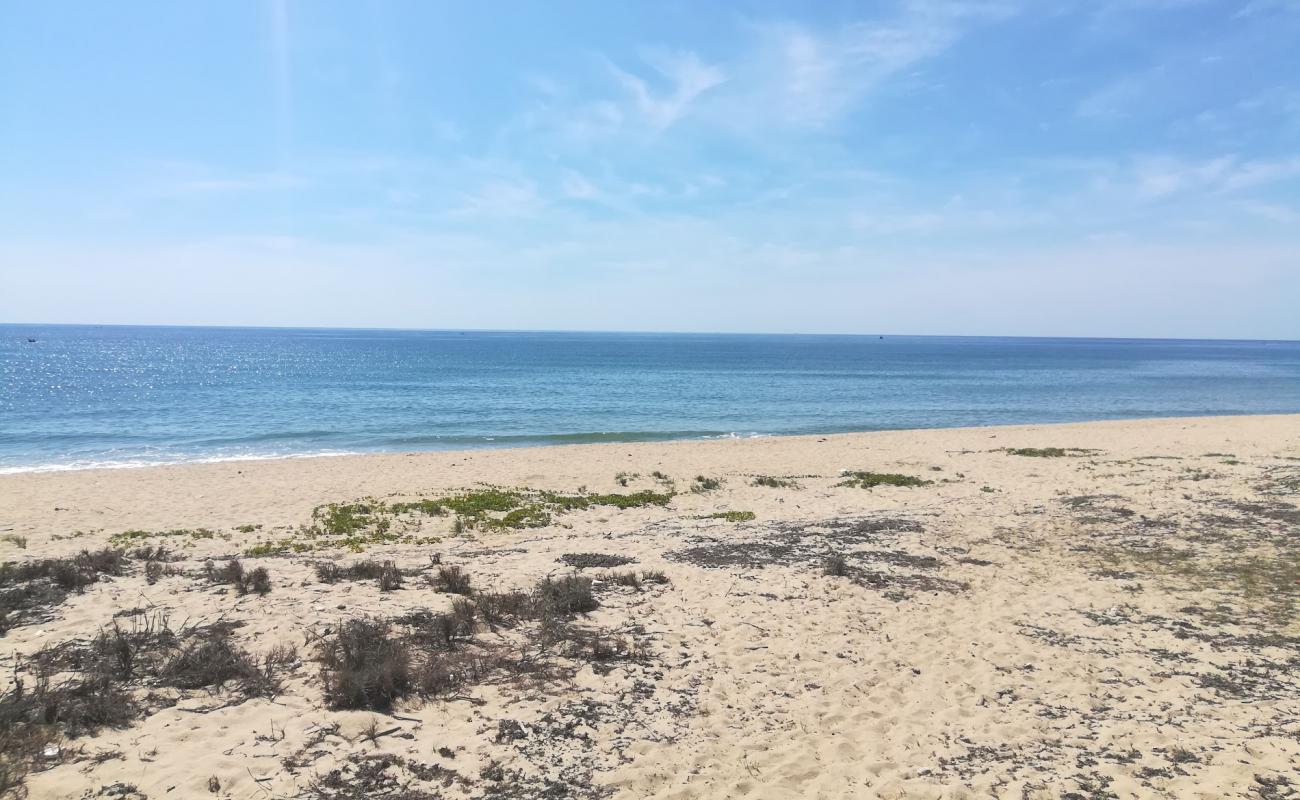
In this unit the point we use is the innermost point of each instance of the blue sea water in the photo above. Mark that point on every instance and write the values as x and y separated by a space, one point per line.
119 396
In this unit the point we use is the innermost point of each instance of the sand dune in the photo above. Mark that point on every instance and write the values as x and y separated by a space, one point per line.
1114 619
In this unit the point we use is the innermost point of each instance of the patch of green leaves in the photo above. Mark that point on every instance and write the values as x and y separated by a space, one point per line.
870 480
1048 452
731 516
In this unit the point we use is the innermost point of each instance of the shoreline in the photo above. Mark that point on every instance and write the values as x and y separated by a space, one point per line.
42 469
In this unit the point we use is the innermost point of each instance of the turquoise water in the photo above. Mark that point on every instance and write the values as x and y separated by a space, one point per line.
121 396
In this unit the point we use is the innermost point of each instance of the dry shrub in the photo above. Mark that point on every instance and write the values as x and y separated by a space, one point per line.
835 565
452 579
389 577
564 596
364 666
256 580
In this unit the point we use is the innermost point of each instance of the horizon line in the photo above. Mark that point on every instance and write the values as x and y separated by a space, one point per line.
880 335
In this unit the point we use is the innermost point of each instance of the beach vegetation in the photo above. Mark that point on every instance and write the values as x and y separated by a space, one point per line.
654 576
774 483
78 687
570 594
359 525
594 560
502 609
730 516
1048 452
342 520
232 573
248 528
1269 582
364 665
835 565
623 478
452 579
14 539
870 480
127 538
29 589
371 663
389 578
703 484
629 579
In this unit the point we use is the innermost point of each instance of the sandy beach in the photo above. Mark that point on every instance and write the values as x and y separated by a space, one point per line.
1061 611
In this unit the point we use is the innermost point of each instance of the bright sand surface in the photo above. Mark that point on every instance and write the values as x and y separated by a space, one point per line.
1119 621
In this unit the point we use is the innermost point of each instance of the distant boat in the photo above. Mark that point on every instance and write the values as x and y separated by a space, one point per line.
30 340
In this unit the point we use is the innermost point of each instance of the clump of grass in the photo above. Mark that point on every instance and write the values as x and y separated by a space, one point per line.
155 553
1270 582
870 480
628 579
835 565
126 538
563 596
257 580
364 666
390 578
71 574
97 683
623 478
646 497
1048 452
590 560
328 572
156 570
430 508
703 484
248 528
14 539
452 579
345 519
26 588
385 573
730 516
774 483
987 489
654 576
355 526
443 630
502 609
212 661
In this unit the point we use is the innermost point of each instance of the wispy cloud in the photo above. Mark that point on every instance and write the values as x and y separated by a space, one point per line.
687 77
812 76
501 197
1162 176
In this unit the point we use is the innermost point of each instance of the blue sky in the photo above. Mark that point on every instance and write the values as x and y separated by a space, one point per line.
1113 167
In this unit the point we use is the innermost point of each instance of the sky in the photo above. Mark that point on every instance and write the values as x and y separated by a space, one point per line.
979 167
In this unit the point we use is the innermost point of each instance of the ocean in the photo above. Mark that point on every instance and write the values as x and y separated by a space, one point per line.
84 396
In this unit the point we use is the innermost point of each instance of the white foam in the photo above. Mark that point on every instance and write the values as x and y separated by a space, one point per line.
71 466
